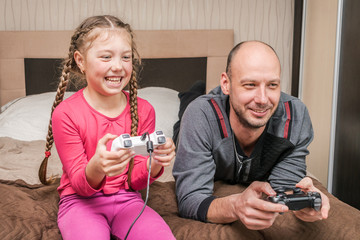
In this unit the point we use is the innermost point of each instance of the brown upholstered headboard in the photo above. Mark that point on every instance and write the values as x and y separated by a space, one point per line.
163 45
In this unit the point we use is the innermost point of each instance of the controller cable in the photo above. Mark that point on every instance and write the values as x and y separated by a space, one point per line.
149 149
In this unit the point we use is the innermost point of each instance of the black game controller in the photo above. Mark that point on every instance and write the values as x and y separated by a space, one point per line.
298 199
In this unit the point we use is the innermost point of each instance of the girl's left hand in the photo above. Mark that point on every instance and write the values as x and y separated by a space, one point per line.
162 156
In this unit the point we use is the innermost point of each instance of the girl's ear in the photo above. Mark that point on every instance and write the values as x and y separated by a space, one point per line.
79 59
225 83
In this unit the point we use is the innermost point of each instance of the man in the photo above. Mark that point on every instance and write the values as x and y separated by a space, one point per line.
244 131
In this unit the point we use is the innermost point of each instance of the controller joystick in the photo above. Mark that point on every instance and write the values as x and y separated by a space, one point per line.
297 190
298 199
138 143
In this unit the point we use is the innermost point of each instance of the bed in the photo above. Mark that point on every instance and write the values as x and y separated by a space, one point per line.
28 210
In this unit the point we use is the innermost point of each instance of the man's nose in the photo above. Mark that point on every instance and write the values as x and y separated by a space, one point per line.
261 96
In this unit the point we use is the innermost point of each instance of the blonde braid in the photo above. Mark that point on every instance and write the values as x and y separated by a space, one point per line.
64 79
70 66
134 116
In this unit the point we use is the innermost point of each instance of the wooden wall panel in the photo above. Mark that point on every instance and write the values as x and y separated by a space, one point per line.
270 21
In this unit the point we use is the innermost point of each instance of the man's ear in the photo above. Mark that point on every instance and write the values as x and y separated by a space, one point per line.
79 59
225 83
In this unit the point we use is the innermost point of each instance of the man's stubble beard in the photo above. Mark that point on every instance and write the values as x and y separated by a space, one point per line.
241 116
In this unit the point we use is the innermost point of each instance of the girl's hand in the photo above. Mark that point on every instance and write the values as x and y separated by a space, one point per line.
106 163
162 156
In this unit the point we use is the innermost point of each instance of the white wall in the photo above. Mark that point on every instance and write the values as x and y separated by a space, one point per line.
270 21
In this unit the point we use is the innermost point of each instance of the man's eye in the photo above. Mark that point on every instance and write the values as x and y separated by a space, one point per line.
274 85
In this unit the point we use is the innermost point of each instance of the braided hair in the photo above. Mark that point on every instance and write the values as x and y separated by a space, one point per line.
82 38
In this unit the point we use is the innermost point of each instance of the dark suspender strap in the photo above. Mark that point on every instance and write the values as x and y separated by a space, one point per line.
219 117
287 129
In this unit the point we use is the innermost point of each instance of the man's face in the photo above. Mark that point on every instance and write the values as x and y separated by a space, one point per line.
254 88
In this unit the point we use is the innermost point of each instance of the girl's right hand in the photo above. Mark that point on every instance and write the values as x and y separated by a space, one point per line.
107 163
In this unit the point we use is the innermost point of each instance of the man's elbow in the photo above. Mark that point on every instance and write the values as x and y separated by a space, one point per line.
185 211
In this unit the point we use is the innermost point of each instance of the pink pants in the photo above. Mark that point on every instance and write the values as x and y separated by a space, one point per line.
99 216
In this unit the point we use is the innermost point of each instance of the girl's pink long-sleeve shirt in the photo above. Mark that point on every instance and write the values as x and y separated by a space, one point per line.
77 128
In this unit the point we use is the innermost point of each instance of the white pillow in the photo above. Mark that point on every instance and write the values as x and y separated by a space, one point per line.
27 118
166 104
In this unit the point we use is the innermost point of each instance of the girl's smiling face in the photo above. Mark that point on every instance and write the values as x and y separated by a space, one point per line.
107 62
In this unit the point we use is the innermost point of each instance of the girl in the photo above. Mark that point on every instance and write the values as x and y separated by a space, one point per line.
98 188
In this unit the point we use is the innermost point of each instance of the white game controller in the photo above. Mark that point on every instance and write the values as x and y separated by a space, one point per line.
138 143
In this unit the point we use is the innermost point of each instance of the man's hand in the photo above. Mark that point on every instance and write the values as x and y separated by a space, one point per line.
309 214
248 207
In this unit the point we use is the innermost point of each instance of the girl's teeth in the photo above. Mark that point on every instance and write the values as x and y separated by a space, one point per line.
113 79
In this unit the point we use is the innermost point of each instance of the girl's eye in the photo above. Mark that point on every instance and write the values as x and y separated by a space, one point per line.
127 58
107 57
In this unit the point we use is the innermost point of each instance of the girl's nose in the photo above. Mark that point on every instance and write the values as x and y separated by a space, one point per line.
116 65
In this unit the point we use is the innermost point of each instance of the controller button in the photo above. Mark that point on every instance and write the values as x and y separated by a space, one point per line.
297 191
159 132
161 140
125 136
127 143
317 204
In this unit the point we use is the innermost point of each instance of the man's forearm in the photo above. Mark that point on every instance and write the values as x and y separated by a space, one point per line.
221 210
